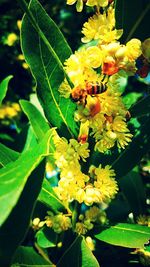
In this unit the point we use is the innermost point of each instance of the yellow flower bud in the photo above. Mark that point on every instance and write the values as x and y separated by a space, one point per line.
20 57
59 245
11 39
112 48
133 49
80 195
80 228
41 224
25 65
102 3
121 53
94 56
19 24
35 221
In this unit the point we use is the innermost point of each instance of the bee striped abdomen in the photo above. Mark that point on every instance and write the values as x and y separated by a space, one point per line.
94 89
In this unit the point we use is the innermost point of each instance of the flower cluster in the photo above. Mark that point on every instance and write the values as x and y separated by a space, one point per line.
62 222
94 215
95 70
101 27
58 223
97 186
9 111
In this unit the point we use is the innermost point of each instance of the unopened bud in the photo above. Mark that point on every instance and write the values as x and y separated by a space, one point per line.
121 52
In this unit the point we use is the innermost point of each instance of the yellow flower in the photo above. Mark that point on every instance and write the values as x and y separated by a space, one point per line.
99 3
97 124
65 89
75 66
101 27
25 65
94 56
81 149
106 183
143 220
123 139
80 195
92 213
111 103
37 224
84 132
119 124
71 183
104 144
81 228
20 57
58 223
61 223
95 214
79 4
78 67
133 49
72 180
92 195
19 22
11 39
105 173
9 110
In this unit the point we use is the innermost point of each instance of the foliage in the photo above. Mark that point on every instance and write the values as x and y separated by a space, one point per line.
71 183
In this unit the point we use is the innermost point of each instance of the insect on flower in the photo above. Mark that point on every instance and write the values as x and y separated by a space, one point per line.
79 94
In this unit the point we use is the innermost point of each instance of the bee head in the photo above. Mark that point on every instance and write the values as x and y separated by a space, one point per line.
74 98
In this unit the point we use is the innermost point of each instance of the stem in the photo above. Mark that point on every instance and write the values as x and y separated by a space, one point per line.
75 214
25 8
42 253
135 26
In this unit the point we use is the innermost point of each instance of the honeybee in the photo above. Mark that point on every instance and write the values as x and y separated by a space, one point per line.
79 94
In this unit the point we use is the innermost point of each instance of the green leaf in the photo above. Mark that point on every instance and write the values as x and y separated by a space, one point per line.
31 140
126 235
7 155
4 87
46 238
140 145
6 137
14 229
133 18
141 108
49 198
27 256
131 98
34 100
39 125
45 68
14 176
133 189
118 209
80 253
